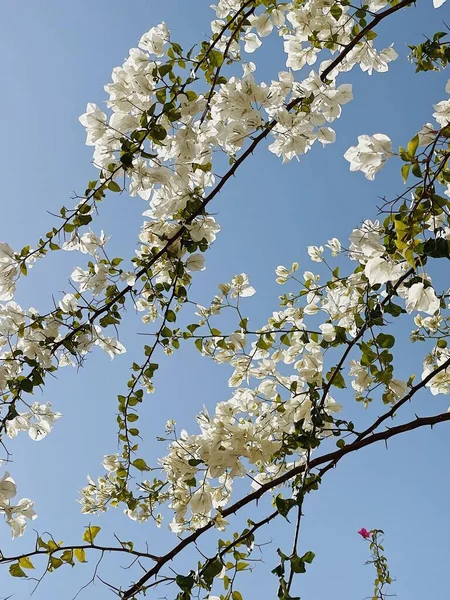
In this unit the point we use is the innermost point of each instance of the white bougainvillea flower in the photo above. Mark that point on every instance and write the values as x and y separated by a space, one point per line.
315 253
370 154
252 42
328 332
8 272
419 297
16 516
8 488
68 304
153 41
241 286
380 270
195 262
442 114
111 462
94 120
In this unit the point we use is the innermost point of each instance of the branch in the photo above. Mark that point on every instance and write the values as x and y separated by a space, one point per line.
326 458
362 33
43 551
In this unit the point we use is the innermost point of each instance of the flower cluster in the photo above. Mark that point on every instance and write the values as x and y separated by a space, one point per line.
160 133
16 514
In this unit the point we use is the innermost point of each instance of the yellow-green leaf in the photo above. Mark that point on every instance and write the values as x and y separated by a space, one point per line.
16 571
413 145
80 554
91 533
405 171
26 563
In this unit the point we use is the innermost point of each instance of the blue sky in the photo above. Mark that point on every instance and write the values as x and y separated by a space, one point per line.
57 57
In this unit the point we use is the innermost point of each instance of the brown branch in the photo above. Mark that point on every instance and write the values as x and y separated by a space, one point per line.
230 173
43 551
361 34
331 457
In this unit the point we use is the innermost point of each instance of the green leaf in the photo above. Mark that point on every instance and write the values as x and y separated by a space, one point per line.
80 554
405 171
437 248
54 563
158 133
164 69
297 564
26 385
216 58
16 571
114 187
213 568
336 11
338 379
185 582
308 557
91 533
413 145
26 563
140 464
385 340
284 505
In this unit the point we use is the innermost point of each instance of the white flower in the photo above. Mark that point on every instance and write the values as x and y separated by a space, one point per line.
282 274
111 462
201 502
334 245
68 304
110 345
328 332
427 134
419 297
195 262
241 286
16 516
252 42
8 488
399 388
370 154
326 135
315 252
153 41
8 272
94 120
442 114
378 270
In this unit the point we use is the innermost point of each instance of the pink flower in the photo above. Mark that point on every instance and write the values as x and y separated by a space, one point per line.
364 533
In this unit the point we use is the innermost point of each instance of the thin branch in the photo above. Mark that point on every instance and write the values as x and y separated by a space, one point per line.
326 458
362 33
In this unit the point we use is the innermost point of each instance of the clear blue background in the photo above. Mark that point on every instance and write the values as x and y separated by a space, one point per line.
56 57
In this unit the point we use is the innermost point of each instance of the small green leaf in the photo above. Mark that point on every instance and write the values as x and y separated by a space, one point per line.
336 11
413 145
80 555
140 464
16 571
185 583
385 340
91 533
26 563
405 171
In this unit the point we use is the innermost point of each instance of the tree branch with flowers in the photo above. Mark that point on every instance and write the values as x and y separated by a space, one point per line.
173 117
